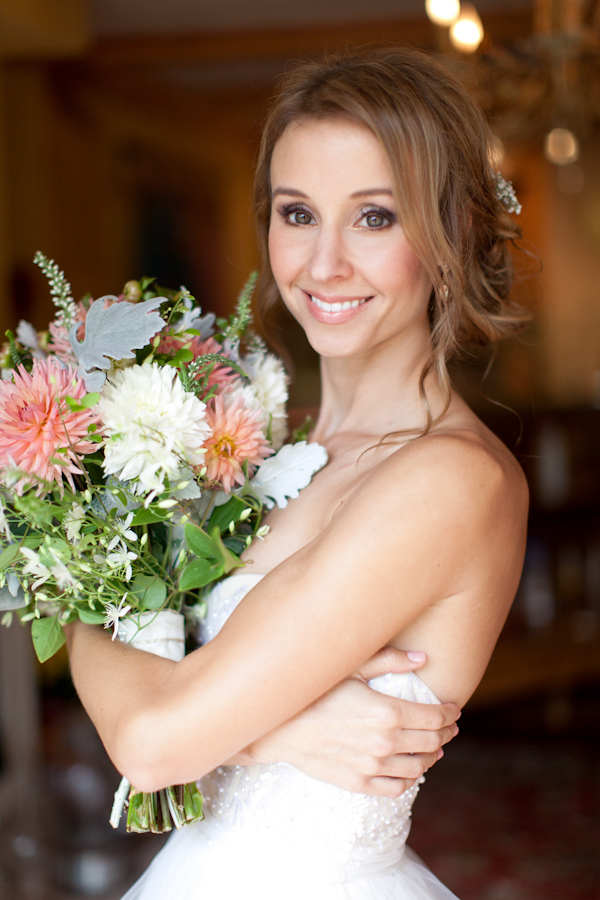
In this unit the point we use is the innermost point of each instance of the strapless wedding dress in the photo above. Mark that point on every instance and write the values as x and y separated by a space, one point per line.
273 833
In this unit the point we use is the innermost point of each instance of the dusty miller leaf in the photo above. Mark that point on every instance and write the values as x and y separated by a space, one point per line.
284 475
113 333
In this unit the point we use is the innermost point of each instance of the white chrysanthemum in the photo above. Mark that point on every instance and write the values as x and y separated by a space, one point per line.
269 389
154 429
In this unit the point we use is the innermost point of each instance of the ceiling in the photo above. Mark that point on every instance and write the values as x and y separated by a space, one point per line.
113 18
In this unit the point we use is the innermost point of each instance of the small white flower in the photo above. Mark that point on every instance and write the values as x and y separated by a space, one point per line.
4 526
35 567
154 429
73 522
114 613
123 532
62 576
122 558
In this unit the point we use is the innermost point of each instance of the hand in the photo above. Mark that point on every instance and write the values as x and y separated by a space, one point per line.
359 739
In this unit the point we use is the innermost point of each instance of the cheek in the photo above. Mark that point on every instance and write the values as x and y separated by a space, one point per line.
284 255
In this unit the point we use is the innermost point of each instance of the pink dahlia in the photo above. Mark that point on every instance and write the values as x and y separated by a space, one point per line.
236 436
36 423
222 376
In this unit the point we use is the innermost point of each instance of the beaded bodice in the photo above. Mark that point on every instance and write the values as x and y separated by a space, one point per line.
275 806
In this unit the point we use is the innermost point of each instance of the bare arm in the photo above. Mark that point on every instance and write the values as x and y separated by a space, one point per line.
309 623
359 739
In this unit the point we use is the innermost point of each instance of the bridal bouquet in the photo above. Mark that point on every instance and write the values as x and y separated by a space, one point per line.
140 443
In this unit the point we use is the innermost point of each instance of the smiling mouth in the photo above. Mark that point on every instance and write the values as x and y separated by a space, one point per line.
338 306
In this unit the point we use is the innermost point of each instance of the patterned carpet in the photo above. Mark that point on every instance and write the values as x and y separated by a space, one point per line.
513 819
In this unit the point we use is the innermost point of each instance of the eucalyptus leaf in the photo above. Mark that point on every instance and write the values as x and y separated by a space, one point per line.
199 573
48 637
12 595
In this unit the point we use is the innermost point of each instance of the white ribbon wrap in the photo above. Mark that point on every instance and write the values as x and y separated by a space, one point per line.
161 633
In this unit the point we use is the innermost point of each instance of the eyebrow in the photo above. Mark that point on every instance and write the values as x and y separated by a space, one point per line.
292 192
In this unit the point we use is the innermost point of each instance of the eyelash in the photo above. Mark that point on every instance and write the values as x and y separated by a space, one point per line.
389 217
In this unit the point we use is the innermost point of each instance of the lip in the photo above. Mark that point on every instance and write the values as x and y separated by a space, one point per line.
337 314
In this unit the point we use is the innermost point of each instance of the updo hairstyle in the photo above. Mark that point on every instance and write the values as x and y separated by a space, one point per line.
439 149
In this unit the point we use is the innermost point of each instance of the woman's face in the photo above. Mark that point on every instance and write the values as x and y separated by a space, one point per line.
340 258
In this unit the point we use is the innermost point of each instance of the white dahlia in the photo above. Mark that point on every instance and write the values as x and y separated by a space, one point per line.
153 428
268 391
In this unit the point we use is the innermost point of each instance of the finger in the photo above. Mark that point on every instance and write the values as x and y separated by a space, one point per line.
420 716
387 787
409 741
408 766
390 659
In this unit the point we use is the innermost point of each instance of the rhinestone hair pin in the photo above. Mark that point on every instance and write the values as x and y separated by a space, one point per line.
506 194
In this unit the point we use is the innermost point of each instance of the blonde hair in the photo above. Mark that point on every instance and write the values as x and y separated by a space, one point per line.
438 146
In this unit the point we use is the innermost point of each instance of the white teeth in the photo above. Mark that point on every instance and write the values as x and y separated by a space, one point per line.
336 307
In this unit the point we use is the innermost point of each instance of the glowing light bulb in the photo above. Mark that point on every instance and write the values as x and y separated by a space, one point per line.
466 33
561 147
442 12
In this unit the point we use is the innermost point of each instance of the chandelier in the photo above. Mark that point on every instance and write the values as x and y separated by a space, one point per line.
545 87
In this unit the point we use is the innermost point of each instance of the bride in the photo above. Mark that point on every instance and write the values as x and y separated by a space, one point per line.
388 242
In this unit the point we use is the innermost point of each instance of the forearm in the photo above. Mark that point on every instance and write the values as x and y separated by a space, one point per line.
113 681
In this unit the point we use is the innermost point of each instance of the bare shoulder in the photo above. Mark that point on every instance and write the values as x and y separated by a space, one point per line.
454 470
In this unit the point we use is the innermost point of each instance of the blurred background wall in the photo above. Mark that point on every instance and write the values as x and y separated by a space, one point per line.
128 130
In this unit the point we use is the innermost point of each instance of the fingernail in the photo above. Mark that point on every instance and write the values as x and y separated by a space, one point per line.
455 730
416 656
440 754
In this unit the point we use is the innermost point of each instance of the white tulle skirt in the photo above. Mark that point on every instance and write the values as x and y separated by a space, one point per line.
203 861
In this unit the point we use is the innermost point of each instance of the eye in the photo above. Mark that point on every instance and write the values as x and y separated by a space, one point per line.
296 215
376 218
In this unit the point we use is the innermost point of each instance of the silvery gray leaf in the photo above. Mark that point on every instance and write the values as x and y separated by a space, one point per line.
12 595
231 348
115 332
205 325
27 335
93 380
105 501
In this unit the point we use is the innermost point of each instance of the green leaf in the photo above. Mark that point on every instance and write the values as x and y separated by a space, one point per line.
148 516
8 556
199 573
200 543
182 356
231 511
86 402
91 616
230 560
234 543
48 637
151 590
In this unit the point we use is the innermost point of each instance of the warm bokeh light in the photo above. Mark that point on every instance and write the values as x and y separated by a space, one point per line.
442 12
466 33
561 147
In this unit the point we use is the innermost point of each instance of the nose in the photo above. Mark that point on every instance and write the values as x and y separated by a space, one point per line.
329 259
